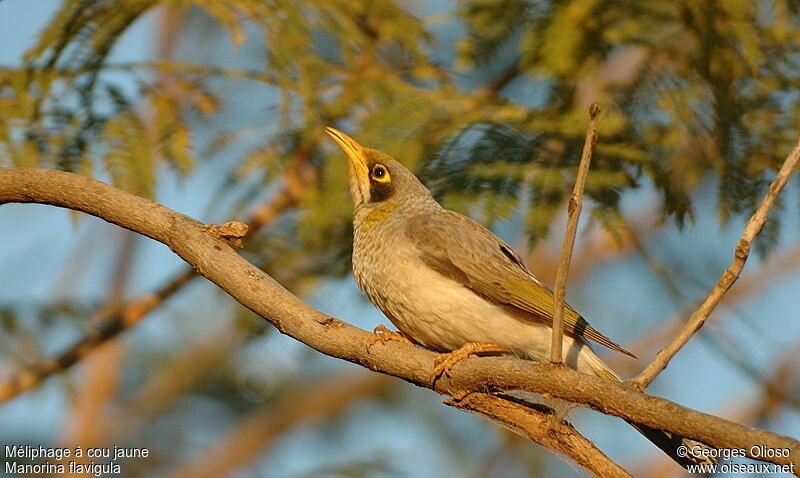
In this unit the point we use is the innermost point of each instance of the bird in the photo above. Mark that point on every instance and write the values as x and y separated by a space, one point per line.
452 286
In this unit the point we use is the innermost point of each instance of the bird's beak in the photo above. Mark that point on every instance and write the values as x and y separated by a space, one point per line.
356 156
354 151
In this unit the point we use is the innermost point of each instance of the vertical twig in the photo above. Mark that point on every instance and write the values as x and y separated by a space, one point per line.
729 276
573 214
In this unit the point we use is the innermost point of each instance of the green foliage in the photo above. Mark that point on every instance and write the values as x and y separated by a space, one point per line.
490 25
486 101
688 89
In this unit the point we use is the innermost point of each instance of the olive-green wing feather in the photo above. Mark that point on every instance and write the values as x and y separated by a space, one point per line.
460 248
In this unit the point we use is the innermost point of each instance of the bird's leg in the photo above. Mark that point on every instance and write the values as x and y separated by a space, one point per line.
381 335
445 362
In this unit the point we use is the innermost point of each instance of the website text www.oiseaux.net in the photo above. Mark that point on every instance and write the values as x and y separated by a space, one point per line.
729 453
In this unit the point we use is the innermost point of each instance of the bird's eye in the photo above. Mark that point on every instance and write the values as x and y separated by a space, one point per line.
380 173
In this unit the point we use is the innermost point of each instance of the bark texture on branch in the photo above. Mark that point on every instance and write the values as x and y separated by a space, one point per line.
573 216
218 262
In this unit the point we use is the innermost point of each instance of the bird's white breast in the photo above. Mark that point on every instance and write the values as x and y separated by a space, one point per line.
442 314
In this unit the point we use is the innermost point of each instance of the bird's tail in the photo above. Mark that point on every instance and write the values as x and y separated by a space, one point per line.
684 451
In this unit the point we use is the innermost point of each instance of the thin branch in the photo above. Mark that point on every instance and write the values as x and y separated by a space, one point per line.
780 266
729 276
169 67
574 214
98 386
257 291
116 320
111 321
544 428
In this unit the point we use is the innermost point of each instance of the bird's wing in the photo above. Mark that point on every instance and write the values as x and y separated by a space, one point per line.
462 249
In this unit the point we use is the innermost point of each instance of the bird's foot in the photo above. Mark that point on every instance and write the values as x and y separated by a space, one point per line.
445 362
382 335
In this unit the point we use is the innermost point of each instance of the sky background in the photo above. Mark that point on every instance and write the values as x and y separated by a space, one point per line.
38 242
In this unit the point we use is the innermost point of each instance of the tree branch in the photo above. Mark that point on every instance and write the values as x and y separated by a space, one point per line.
115 320
544 428
573 215
780 265
729 276
257 291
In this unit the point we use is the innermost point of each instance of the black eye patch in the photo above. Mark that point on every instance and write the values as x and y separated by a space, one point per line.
380 191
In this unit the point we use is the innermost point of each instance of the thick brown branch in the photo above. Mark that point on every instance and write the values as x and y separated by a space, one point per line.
729 276
573 214
260 293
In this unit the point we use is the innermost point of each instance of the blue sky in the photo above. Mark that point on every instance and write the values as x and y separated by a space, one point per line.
38 241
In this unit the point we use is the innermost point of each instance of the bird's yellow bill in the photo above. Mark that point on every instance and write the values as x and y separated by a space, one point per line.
355 152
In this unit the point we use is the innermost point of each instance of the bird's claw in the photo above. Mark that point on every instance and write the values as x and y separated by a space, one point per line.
382 335
445 362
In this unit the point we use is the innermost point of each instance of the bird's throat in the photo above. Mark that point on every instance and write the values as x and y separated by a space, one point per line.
376 215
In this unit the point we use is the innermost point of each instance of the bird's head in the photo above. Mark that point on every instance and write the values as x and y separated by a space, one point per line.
376 179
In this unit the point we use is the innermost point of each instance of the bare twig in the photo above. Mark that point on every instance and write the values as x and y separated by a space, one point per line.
255 433
260 293
729 276
574 213
781 265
